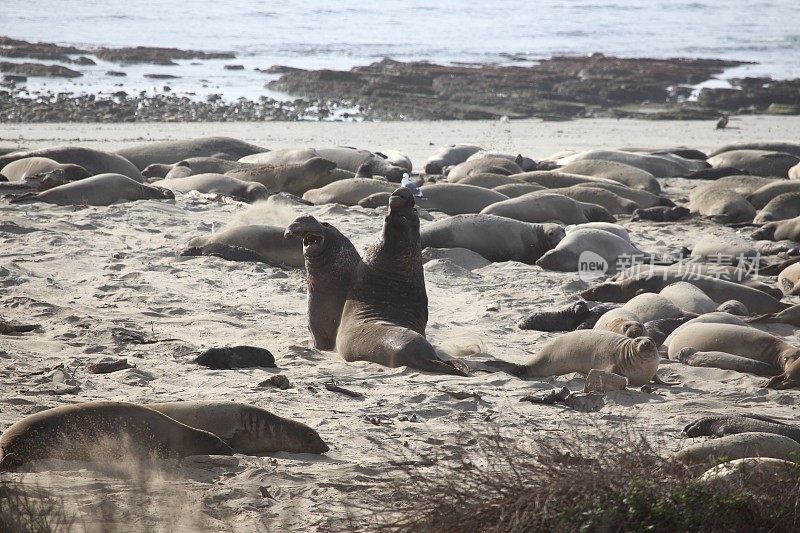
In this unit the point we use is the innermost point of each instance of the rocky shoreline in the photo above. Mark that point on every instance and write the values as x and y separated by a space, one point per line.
559 88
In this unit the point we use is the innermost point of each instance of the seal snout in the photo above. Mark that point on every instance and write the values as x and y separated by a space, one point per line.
401 198
306 227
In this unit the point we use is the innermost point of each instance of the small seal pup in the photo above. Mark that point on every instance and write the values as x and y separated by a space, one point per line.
584 350
103 431
386 311
331 262
661 213
566 318
245 428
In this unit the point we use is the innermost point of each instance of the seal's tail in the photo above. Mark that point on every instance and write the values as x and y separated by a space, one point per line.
464 345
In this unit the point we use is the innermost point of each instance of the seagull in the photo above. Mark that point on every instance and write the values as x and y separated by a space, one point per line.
722 122
411 186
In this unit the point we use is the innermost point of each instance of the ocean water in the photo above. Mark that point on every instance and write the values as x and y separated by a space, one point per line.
339 35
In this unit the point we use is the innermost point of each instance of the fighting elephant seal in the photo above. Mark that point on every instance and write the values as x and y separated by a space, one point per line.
584 350
742 341
572 250
245 428
386 311
543 206
347 192
215 184
255 242
94 161
495 238
100 190
756 162
449 155
778 231
105 432
168 152
783 207
331 262
628 175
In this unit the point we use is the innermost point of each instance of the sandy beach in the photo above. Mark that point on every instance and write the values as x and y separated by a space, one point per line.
107 281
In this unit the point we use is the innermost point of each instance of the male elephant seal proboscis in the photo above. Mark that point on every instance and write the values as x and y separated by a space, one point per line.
103 432
100 190
331 262
245 428
597 245
744 342
216 184
386 312
94 161
495 238
543 206
254 242
563 319
449 155
584 350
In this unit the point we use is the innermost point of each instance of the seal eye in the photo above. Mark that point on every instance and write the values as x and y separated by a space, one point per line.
310 240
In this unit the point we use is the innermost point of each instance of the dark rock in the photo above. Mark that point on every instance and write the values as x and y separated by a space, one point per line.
116 73
234 67
161 76
38 70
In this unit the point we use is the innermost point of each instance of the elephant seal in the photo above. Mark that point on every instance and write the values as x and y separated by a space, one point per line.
291 178
688 298
642 198
351 159
764 194
616 205
255 242
783 207
652 306
396 158
525 163
563 319
661 214
628 175
724 425
769 146
780 230
680 151
281 156
789 280
94 161
660 329
544 206
750 470
456 198
570 252
449 155
621 321
347 192
553 179
492 165
615 229
245 428
756 162
733 307
167 152
718 290
724 361
738 446
723 249
386 311
100 190
742 341
717 317
331 262
794 172
489 180
584 350
659 166
30 166
721 205
715 173
101 432
513 190
495 238
191 166
216 184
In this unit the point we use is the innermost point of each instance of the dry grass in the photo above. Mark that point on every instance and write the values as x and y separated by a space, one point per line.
28 510
591 483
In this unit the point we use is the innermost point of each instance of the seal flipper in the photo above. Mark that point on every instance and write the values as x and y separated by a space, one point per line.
24 198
